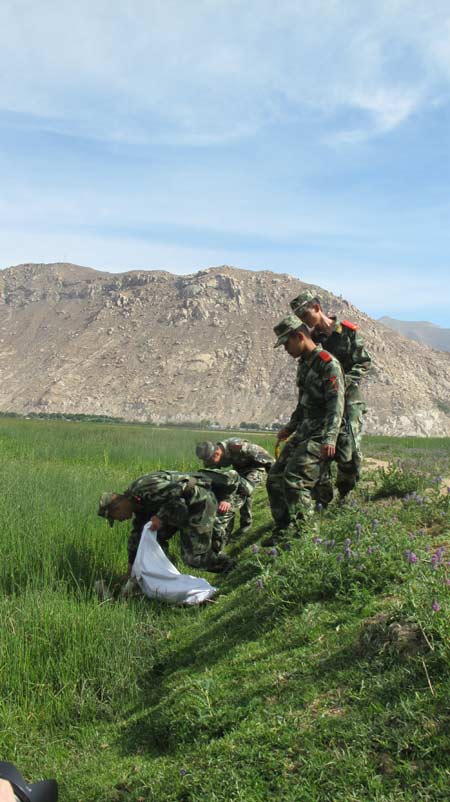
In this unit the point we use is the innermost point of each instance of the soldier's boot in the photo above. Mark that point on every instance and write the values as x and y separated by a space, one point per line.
280 535
273 538
222 564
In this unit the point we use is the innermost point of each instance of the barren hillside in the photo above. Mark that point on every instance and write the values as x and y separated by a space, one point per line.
148 345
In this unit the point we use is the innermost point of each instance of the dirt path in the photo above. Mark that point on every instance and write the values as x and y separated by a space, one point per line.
371 464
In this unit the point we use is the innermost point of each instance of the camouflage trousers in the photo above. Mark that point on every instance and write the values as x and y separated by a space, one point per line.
293 477
224 522
253 478
348 457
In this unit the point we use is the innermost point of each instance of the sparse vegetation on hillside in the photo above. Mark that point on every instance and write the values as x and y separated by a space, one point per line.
322 672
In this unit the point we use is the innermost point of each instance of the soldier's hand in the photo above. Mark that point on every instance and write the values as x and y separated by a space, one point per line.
224 506
283 434
155 522
327 451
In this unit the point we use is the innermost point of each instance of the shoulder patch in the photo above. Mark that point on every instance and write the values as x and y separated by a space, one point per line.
325 356
349 325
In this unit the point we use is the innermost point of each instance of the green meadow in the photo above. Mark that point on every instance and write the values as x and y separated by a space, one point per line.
321 673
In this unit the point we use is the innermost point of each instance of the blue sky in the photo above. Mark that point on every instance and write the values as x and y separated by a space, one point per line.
309 138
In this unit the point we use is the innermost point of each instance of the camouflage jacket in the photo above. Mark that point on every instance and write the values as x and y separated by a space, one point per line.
174 496
321 395
347 345
244 456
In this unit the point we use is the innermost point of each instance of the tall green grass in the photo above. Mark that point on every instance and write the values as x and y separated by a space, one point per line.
279 690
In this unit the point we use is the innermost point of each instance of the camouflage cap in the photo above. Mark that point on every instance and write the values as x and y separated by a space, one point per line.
284 328
103 506
299 304
204 450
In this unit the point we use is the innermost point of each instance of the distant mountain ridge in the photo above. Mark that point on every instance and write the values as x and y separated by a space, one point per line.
149 345
421 332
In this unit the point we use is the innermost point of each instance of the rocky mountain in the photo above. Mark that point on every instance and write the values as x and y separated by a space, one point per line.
420 331
148 345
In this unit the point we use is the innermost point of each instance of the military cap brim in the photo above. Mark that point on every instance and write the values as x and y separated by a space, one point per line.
103 506
285 327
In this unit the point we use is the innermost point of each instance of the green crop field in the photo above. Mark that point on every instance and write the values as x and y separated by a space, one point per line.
320 674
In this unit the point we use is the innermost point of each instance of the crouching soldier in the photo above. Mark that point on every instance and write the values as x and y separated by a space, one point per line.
314 426
251 461
175 501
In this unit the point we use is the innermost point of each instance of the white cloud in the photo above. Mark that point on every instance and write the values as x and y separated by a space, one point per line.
216 70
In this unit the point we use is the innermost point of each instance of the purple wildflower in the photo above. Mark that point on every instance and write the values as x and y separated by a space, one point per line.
259 584
339 558
347 542
273 552
375 523
436 606
369 549
317 540
255 548
183 772
286 547
358 529
411 535
330 544
447 581
319 506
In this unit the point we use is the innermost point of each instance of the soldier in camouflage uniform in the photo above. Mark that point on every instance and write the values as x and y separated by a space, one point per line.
251 462
343 340
177 501
314 426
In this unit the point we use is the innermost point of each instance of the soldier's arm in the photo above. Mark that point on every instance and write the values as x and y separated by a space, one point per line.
174 512
334 396
361 361
294 421
297 415
134 537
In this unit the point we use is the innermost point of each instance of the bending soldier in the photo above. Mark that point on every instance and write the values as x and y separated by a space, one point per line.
251 462
343 340
176 501
314 426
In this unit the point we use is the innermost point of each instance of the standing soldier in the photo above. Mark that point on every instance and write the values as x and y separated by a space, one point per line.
251 462
176 501
314 426
343 340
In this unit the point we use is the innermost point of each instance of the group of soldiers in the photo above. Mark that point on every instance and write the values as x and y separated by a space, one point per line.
325 426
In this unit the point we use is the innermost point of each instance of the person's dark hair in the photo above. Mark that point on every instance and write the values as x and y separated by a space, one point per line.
313 302
305 330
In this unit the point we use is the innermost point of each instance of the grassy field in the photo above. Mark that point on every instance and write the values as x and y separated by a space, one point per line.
321 673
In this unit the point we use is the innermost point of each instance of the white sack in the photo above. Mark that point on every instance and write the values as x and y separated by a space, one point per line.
159 579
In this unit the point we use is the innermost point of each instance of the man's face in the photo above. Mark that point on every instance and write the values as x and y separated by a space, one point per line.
294 344
120 509
216 455
311 316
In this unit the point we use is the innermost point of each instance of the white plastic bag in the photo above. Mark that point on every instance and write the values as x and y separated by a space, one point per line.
159 579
